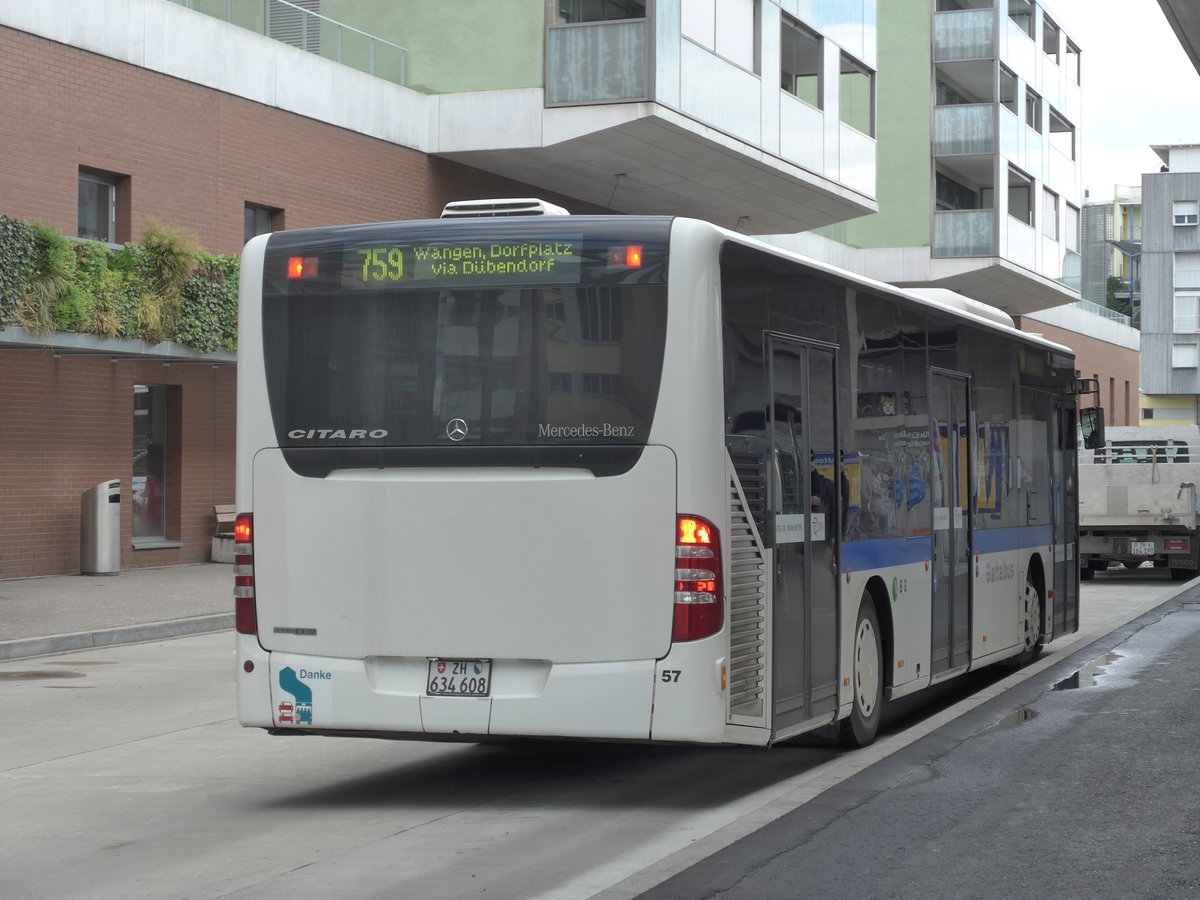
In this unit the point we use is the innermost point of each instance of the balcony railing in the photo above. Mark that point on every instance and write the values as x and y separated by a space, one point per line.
292 24
1104 311
964 232
597 62
964 34
966 128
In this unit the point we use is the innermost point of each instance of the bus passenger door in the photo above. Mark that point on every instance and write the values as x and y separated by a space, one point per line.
951 451
1064 511
804 528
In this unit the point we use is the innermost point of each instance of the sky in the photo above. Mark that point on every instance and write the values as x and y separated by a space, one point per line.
1139 88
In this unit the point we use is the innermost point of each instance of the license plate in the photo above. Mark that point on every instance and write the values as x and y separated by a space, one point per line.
459 678
1141 548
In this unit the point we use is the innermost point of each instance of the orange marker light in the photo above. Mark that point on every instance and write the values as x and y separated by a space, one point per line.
693 532
302 267
633 257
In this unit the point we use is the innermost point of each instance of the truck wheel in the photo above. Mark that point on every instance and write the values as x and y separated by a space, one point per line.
860 727
1086 573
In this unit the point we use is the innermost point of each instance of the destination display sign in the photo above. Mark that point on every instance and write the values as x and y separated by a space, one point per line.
461 263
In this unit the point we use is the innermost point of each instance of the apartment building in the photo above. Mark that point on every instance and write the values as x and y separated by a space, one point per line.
1170 267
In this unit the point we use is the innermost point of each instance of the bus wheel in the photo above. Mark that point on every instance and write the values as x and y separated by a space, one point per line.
867 674
1033 641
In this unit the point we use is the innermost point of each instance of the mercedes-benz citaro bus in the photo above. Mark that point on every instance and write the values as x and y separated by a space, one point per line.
626 477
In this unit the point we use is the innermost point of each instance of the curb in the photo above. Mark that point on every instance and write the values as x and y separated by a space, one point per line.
128 634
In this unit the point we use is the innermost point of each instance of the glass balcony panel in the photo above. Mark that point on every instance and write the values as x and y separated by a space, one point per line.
286 22
597 62
965 128
964 232
964 34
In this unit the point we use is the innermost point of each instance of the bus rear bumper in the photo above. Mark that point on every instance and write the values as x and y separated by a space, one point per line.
389 695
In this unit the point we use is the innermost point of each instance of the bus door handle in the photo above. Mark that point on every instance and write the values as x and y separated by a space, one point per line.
776 485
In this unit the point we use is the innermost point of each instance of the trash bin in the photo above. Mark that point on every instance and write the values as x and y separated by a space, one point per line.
100 529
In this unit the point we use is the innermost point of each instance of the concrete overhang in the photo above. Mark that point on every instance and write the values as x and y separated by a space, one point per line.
1184 18
997 282
644 158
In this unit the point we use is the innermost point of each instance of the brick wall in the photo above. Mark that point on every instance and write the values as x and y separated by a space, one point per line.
1116 368
66 424
196 156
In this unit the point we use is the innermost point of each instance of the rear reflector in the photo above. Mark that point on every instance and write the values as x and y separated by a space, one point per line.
698 599
245 614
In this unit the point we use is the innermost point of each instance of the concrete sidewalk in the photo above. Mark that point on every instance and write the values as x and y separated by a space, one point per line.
56 613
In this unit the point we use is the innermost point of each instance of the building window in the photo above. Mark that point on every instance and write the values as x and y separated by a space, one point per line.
950 193
1050 214
1062 135
1033 110
599 10
1050 39
603 384
1072 61
261 220
1187 212
599 320
1071 228
800 62
857 96
1008 91
729 28
1187 314
98 201
1020 196
1187 272
1184 356
1021 12
149 461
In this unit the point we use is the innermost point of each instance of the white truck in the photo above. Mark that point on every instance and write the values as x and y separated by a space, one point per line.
1137 500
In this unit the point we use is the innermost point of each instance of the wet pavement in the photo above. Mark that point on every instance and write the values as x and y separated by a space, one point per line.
1086 789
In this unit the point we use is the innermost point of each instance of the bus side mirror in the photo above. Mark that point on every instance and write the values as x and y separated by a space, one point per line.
1091 423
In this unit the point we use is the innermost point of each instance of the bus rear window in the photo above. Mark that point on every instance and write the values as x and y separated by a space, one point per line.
518 367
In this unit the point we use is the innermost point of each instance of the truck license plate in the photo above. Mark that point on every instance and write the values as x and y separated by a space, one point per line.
1141 548
459 678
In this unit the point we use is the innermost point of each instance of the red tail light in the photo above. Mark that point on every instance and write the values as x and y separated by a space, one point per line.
245 615
698 602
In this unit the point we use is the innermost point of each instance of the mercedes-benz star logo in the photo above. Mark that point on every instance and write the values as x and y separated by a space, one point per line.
456 429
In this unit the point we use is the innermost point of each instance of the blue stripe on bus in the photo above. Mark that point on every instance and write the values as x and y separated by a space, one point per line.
886 552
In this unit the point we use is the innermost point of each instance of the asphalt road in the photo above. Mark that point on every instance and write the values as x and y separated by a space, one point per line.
124 774
1078 783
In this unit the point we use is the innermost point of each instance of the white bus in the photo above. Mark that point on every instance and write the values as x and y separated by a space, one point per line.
633 478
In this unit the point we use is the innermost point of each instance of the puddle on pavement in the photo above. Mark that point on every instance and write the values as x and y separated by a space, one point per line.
1012 720
37 675
1089 675
917 778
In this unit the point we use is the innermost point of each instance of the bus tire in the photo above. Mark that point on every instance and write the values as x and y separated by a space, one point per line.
1033 638
860 727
